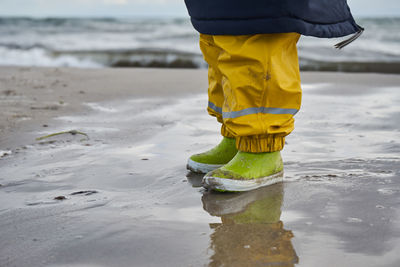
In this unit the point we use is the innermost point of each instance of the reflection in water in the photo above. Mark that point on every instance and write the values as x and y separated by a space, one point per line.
251 233
195 178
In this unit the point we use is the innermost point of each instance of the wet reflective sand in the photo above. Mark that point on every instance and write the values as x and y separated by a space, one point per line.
124 198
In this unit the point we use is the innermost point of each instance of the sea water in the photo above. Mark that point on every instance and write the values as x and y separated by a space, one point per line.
169 42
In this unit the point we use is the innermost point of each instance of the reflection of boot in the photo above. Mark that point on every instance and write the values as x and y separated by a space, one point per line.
246 171
214 158
229 204
251 233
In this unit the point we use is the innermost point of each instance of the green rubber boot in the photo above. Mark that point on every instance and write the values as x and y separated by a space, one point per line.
214 158
246 171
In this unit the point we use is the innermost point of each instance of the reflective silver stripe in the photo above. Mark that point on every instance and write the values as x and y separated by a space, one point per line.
265 110
214 107
249 111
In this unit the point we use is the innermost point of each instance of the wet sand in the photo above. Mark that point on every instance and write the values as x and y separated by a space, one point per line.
124 198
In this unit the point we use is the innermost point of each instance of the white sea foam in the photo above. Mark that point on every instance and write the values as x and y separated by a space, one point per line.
168 42
39 57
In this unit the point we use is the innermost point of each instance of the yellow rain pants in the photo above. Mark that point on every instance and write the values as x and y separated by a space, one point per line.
254 87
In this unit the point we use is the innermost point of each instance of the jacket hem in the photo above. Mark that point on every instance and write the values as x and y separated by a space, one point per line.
274 25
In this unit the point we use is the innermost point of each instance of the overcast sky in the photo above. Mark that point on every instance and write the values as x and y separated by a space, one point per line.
152 8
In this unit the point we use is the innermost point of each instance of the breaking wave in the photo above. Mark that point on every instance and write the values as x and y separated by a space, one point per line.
172 43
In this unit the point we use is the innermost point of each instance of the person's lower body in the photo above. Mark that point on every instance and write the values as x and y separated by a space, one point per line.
254 92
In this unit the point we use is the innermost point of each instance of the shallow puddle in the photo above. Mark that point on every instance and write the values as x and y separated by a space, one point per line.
124 198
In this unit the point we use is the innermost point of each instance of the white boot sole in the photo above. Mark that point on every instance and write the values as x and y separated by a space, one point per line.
201 167
224 184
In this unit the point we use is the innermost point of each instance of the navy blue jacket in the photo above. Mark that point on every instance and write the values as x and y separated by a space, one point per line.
319 18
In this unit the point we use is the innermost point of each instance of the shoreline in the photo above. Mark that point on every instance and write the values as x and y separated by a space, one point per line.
183 61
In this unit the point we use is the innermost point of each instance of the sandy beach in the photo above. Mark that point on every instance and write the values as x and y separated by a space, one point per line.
121 196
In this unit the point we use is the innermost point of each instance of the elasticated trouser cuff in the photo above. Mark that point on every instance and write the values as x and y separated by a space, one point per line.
225 132
260 144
